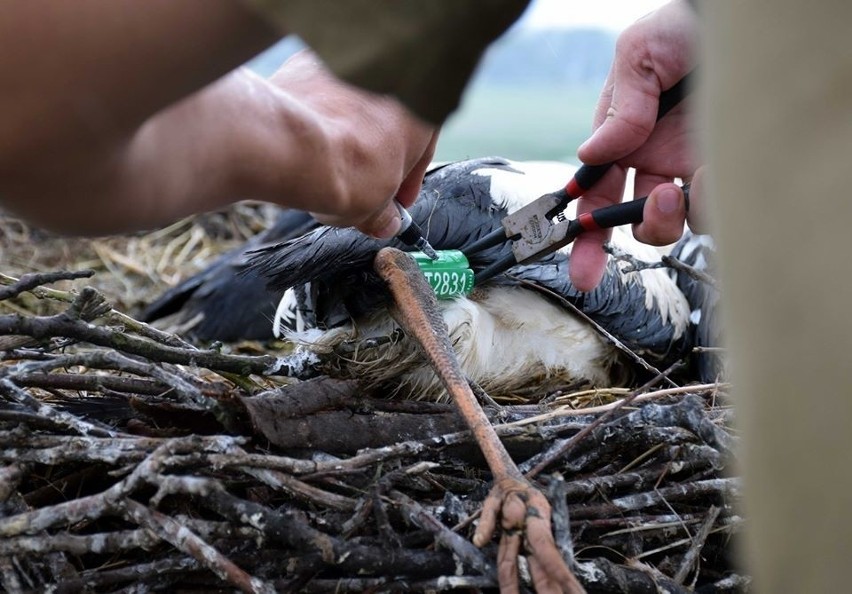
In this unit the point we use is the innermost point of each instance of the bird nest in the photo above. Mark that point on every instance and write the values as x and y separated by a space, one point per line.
133 461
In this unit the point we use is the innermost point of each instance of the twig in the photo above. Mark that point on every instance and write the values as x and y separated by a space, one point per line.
606 576
10 477
690 271
31 281
461 583
186 541
60 418
92 383
556 452
287 528
94 506
112 360
62 325
111 542
134 573
568 411
557 492
727 488
461 547
634 264
646 477
301 490
694 551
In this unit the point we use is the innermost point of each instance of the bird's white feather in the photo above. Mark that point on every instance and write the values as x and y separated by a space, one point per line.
286 315
531 179
508 339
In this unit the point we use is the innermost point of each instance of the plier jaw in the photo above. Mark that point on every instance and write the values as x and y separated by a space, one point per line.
532 230
530 224
531 233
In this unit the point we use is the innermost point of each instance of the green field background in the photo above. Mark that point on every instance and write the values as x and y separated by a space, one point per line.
521 124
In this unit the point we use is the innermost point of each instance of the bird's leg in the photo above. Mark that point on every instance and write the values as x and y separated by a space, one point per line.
523 511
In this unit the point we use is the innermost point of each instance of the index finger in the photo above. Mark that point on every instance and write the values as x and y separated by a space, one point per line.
588 260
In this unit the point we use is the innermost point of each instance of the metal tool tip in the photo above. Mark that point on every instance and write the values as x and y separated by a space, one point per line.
428 250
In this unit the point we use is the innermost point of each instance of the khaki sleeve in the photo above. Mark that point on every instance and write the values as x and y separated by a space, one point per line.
421 51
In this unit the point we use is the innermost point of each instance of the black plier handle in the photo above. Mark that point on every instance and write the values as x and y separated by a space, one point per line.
531 229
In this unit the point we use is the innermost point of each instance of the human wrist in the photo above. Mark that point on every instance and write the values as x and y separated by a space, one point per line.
279 150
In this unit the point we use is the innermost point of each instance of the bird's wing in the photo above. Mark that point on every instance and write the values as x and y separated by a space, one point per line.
230 305
647 315
454 209
699 251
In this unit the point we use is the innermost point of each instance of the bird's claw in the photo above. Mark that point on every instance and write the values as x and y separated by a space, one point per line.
524 514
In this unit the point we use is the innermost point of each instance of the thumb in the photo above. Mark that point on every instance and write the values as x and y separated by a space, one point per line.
383 225
663 216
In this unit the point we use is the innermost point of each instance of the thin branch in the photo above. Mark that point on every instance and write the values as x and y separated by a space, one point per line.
28 282
690 271
634 264
461 547
188 542
59 417
63 325
559 450
691 556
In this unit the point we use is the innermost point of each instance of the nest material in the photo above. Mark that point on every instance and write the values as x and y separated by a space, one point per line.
133 461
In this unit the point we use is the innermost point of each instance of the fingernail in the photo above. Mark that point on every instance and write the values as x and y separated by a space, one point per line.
668 201
389 230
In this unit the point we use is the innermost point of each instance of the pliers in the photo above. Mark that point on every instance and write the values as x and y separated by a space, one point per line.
532 230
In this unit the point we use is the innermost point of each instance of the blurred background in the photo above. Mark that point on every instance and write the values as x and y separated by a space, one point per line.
534 93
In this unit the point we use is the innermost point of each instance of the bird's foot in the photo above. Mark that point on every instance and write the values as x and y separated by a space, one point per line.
524 515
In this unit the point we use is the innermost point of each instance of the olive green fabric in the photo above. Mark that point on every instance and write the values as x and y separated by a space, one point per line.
421 51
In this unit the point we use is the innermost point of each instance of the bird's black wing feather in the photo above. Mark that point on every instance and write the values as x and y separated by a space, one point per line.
698 251
454 209
232 305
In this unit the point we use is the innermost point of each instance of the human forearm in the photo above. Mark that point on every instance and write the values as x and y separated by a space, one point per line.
103 129
236 138
79 74
306 140
302 140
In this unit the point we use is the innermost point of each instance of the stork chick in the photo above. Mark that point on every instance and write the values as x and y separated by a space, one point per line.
516 334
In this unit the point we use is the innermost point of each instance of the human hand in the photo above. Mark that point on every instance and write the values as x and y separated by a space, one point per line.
651 56
373 149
